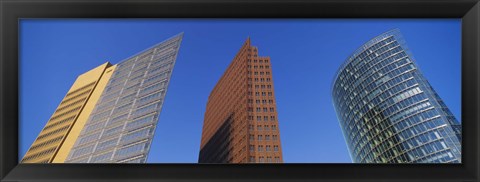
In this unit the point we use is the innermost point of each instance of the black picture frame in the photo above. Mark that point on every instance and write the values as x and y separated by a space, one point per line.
11 11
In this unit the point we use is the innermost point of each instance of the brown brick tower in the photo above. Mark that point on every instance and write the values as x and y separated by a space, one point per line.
240 124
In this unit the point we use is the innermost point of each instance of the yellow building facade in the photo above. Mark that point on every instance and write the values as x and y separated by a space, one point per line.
57 138
110 113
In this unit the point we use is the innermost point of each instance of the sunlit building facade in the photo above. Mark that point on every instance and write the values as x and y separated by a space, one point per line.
241 123
388 111
111 116
56 139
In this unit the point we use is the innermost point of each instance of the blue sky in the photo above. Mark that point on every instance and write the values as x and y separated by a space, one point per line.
305 54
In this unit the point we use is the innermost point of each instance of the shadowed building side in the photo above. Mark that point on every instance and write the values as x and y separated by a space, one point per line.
218 148
240 122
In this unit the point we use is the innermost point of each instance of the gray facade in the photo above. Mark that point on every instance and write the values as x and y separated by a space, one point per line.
388 111
122 124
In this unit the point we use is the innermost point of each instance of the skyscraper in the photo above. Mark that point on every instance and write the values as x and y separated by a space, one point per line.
388 111
62 129
240 124
110 113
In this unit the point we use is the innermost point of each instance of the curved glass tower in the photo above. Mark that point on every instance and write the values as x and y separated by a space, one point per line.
388 111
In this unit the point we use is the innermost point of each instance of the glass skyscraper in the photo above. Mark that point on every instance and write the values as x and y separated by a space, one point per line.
121 126
388 111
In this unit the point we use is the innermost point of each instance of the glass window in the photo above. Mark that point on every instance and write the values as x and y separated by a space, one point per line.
102 158
140 122
88 138
106 144
136 135
130 149
82 151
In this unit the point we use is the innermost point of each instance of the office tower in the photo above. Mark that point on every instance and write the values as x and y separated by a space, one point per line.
388 111
240 124
120 122
63 127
